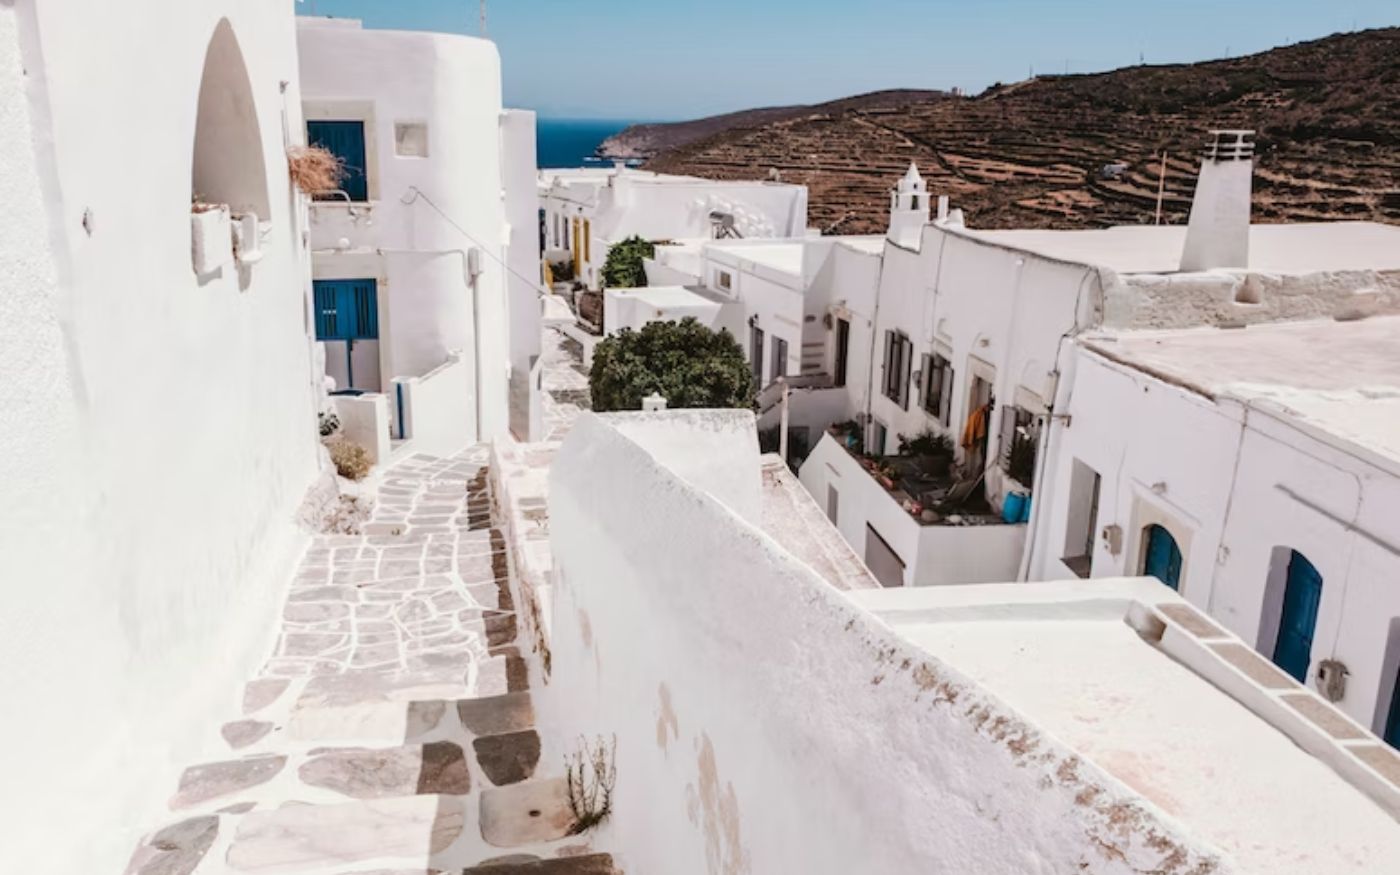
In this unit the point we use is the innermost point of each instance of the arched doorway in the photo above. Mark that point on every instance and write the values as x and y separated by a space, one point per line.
228 149
1298 620
1161 556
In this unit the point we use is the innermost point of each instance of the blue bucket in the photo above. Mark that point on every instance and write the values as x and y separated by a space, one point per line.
1013 506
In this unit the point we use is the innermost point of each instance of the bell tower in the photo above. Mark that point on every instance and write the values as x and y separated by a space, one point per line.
909 208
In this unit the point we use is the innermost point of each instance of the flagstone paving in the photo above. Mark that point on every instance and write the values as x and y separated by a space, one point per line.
565 383
391 732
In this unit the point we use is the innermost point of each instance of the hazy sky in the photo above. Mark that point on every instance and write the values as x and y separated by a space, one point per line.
665 59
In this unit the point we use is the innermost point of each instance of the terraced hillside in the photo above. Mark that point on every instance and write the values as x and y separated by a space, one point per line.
1035 153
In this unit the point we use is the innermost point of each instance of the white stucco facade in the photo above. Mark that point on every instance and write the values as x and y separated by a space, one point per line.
1246 446
435 182
588 210
159 427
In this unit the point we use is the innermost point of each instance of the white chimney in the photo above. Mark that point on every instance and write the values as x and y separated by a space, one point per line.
1218 234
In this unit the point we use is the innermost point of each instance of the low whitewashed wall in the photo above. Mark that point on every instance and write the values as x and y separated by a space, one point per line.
932 555
765 724
969 554
437 408
364 420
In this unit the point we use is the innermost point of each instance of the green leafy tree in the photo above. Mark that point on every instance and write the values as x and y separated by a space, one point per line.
623 268
687 363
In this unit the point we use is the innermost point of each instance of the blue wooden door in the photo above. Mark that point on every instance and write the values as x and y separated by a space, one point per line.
1392 723
347 313
346 141
1163 560
1293 650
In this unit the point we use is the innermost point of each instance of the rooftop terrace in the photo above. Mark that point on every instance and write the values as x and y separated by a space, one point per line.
1339 378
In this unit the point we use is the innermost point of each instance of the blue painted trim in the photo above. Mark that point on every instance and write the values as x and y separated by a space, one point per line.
398 392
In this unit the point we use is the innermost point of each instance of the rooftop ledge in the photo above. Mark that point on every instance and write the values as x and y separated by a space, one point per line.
1157 694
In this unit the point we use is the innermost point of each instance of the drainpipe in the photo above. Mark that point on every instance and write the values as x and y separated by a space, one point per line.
470 274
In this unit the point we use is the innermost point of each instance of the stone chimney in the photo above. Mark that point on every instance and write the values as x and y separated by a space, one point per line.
909 208
1218 235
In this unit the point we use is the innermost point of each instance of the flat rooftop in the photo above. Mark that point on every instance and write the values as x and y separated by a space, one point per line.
1069 657
1298 248
1342 378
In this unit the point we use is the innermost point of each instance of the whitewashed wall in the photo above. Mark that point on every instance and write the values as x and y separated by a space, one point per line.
1004 307
932 555
453 84
524 282
766 724
432 407
158 432
639 203
1232 486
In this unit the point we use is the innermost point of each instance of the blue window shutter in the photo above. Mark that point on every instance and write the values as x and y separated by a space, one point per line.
346 309
327 322
345 140
366 310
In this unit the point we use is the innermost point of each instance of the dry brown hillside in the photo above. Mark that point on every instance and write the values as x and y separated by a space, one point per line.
1032 154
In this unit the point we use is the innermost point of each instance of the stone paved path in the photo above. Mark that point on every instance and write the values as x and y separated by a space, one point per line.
565 383
392 730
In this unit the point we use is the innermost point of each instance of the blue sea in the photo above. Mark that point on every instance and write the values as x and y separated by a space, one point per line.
565 142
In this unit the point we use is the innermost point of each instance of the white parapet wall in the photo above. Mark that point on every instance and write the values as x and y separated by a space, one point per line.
764 723
436 410
932 555
364 420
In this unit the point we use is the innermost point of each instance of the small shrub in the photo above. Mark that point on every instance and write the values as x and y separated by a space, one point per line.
315 169
350 459
623 268
592 774
687 363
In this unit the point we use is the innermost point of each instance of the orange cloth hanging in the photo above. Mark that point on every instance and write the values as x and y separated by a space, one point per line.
976 428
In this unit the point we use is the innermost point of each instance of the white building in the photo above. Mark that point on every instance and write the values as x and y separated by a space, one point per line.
974 331
587 210
412 257
157 424
1255 470
1056 727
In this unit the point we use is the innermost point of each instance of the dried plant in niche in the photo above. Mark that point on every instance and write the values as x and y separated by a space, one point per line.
315 169
592 774
350 459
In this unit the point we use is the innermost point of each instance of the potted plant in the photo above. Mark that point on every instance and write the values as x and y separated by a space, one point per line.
934 452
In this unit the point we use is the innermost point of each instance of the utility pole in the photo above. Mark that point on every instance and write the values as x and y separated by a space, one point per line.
483 19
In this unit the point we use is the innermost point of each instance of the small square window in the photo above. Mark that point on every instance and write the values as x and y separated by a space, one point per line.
411 139
725 280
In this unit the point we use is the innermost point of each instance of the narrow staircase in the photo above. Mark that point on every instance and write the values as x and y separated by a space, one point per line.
392 732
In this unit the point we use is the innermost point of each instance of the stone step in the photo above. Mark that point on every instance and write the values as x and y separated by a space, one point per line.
585 864
525 825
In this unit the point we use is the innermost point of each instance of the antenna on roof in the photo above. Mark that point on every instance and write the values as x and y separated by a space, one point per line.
483 19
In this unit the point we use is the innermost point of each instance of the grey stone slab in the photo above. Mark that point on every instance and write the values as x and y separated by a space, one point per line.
241 733
508 758
307 836
175 850
213 780
260 693
495 715
521 814
439 767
